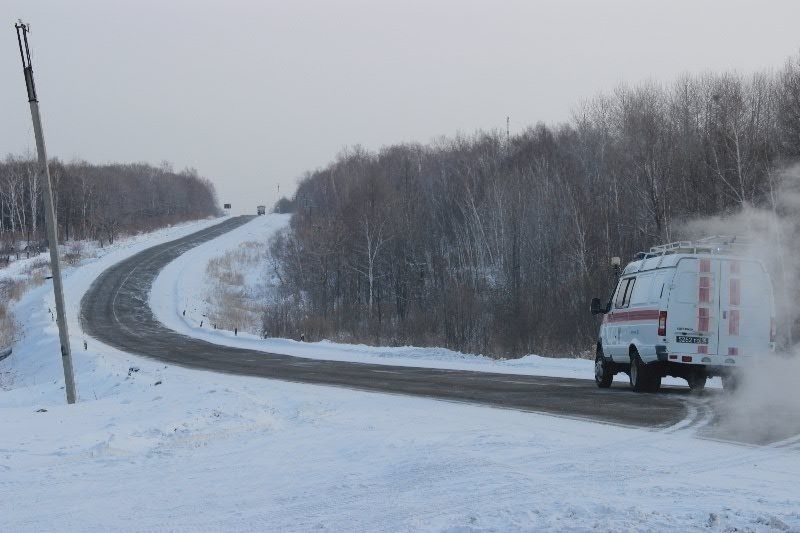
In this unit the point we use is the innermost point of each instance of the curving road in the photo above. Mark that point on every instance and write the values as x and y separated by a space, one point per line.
115 310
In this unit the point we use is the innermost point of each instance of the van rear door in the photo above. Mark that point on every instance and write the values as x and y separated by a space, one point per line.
745 308
693 309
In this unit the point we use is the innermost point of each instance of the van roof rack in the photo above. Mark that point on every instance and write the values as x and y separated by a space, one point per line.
715 244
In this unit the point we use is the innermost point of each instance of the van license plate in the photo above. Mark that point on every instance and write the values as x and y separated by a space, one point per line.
691 340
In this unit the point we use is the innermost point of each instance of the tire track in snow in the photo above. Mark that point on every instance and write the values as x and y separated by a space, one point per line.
699 415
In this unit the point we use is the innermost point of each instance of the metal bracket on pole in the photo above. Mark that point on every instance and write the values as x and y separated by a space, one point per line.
25 55
49 211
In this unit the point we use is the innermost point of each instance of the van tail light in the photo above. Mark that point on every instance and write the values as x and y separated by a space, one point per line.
662 323
773 330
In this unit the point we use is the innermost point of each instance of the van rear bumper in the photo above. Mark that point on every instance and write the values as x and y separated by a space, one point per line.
710 361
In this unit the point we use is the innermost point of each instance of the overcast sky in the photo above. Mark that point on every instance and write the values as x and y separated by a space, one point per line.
253 94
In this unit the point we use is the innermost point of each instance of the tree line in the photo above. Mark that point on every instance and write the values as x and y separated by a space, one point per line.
494 244
97 201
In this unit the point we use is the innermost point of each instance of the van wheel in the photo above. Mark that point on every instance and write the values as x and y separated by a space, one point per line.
603 370
729 382
696 381
655 382
643 379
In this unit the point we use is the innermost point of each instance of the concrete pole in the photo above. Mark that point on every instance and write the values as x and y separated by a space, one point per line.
49 213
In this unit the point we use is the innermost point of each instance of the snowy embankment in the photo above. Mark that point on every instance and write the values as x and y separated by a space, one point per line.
151 447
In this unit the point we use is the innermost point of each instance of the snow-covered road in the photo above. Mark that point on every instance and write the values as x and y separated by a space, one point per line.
155 447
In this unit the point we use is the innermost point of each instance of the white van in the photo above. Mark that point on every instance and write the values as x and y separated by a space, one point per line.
686 309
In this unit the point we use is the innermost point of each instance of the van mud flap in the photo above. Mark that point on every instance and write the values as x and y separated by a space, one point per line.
661 353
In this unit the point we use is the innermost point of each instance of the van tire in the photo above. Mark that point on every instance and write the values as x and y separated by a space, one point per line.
655 382
730 382
603 370
696 381
643 378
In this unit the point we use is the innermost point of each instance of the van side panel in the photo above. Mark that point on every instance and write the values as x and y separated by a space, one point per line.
633 319
612 325
639 316
659 292
607 334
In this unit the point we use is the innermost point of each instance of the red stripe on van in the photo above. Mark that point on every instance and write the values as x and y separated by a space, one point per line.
705 265
733 351
629 316
736 291
733 323
704 290
702 348
703 318
734 267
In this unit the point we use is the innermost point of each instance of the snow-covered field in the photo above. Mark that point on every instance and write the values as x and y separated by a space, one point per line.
155 447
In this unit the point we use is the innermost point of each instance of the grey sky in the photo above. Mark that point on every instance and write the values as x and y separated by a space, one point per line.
253 94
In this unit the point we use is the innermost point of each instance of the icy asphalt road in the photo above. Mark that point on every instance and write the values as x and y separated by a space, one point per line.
115 310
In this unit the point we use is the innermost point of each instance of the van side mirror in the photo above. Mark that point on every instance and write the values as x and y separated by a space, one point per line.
595 307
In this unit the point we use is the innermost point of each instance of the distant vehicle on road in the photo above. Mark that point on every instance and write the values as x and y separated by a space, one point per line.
686 309
261 209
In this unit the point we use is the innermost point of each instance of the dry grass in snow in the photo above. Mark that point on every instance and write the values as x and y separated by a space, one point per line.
237 288
11 290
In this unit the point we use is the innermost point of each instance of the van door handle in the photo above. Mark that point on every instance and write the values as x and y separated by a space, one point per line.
724 315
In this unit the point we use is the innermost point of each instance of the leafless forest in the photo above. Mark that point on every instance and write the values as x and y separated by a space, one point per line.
494 244
93 202
97 201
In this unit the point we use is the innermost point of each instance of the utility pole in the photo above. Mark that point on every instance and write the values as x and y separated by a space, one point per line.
49 211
